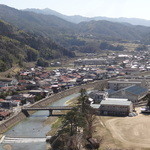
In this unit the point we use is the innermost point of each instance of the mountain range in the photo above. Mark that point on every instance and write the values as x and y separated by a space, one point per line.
77 18
67 33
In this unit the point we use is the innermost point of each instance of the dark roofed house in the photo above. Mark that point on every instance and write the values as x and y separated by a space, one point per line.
9 81
98 96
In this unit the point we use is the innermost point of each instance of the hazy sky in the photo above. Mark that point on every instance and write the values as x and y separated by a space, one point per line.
90 8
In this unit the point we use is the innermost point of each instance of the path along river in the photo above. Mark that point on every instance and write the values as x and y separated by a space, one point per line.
34 127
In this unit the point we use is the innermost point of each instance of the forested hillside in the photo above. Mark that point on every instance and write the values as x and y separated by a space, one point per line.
17 46
36 23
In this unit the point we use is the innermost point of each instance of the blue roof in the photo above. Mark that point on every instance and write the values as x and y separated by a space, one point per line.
136 90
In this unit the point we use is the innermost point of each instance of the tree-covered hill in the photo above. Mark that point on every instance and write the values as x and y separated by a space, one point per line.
17 46
113 31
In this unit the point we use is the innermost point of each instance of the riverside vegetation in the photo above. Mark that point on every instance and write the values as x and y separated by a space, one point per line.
77 127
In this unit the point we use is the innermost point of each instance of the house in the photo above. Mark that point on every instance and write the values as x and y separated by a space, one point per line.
4 114
5 104
18 97
38 92
9 81
131 70
101 74
98 96
29 97
133 93
116 107
55 88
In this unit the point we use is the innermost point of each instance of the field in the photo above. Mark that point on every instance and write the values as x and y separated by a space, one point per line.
128 46
125 133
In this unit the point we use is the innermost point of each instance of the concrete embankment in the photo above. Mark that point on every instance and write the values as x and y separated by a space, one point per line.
47 101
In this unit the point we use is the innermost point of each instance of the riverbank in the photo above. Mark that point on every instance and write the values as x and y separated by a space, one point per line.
55 122
33 127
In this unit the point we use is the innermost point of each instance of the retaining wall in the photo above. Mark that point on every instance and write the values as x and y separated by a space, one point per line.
47 101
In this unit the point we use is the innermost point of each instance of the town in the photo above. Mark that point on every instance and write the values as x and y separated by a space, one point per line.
125 73
74 75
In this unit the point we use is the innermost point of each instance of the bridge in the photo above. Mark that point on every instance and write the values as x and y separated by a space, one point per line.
50 109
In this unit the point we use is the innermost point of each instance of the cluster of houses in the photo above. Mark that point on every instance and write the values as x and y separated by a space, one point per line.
123 94
120 98
35 83
126 62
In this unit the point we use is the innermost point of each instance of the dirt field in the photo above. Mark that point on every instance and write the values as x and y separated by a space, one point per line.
125 132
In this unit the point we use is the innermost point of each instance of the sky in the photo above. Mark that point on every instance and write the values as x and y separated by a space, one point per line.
89 8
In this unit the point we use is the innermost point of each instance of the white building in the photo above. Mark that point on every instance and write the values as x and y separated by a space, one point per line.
116 107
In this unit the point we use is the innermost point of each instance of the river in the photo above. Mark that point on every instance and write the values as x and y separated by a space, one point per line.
34 127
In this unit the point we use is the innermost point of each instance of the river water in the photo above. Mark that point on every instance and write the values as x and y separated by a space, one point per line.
34 127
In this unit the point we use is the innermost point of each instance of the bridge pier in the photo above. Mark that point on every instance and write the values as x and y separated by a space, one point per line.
26 113
50 112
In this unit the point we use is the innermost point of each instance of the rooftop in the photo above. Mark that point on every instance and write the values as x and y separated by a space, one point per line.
116 102
124 81
96 106
137 90
117 99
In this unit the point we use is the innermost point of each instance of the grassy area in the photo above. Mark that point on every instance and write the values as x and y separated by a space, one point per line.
128 46
126 133
10 73
55 125
72 102
102 132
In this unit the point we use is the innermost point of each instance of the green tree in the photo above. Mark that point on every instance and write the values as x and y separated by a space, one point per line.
83 101
73 120
141 48
41 62
147 98
77 125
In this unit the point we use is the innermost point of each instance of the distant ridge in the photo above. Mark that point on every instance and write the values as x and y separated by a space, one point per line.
78 18
67 33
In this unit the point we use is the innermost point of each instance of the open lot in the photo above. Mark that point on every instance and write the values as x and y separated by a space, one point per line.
128 133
